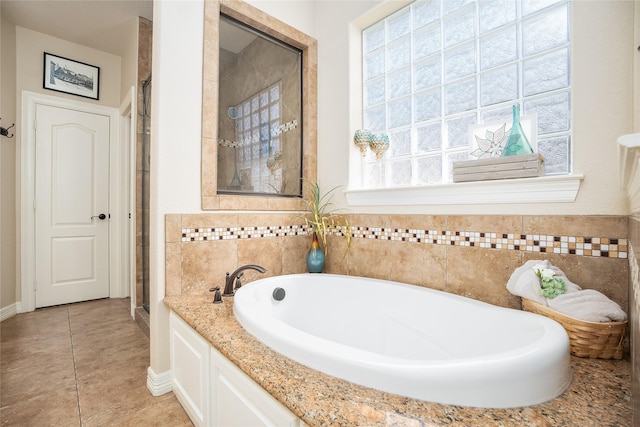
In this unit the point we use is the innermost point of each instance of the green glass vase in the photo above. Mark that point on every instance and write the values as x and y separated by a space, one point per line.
517 144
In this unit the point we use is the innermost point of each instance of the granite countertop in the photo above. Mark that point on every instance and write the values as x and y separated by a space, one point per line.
600 392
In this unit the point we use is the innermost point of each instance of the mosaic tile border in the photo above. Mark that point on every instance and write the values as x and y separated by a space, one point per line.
568 245
230 233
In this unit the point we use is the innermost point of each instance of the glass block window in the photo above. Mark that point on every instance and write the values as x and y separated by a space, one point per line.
258 130
437 67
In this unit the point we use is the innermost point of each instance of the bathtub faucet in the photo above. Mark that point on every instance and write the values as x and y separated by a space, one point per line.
232 280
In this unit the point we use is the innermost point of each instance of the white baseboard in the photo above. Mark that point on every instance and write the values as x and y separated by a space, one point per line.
159 384
9 311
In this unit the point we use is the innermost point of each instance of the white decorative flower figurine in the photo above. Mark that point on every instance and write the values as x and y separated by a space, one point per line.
492 145
546 274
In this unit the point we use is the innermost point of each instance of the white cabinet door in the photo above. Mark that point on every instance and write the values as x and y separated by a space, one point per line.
214 391
190 370
238 401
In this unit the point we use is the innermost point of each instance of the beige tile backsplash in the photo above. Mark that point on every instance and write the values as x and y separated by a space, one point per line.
634 314
472 256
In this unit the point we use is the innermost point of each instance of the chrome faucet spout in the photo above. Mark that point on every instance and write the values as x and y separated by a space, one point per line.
231 279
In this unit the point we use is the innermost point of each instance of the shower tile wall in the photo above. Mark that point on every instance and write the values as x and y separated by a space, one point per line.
145 37
243 76
472 256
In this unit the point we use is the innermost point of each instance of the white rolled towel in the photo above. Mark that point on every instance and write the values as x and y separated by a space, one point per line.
525 283
589 305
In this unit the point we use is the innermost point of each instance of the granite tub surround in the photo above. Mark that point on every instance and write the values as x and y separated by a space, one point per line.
471 255
599 394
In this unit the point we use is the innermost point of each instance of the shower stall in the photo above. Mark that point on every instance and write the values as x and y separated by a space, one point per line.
144 165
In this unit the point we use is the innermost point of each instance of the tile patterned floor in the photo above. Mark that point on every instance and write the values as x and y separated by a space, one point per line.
80 364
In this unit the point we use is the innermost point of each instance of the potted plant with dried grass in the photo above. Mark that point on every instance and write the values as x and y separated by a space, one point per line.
324 220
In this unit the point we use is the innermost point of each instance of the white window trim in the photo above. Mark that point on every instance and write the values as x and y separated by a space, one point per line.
547 189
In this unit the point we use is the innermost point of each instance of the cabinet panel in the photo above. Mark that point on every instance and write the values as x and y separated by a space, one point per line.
214 391
233 408
239 401
190 370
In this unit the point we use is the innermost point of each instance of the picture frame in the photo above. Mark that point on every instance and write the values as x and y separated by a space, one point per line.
68 76
487 140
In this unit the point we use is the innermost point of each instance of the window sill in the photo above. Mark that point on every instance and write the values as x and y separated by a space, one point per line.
548 189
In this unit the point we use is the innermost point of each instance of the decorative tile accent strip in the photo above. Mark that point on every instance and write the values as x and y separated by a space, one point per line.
230 233
567 245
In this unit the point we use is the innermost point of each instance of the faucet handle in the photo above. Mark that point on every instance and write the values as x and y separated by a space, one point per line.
238 282
217 297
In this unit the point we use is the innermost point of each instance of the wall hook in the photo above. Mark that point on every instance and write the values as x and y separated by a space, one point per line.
5 132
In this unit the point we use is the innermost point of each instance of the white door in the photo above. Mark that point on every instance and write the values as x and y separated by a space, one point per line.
71 206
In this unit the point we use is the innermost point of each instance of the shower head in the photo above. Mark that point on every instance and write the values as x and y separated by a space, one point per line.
233 113
146 82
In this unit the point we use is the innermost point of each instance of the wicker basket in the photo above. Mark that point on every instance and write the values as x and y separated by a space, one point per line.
598 340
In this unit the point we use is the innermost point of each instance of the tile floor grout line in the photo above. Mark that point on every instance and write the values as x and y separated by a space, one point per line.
75 371
95 343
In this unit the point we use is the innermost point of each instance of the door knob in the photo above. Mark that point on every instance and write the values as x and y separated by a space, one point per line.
101 216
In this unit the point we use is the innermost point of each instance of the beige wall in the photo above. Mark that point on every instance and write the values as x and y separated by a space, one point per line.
30 46
602 37
175 140
636 67
9 273
129 60
603 89
602 102
176 132
22 67
8 278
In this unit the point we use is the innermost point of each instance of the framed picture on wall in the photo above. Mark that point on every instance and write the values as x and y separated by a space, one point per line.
69 76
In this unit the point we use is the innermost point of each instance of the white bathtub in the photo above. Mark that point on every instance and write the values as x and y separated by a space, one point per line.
411 341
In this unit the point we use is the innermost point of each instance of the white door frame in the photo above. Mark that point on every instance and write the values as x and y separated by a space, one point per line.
128 129
117 289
